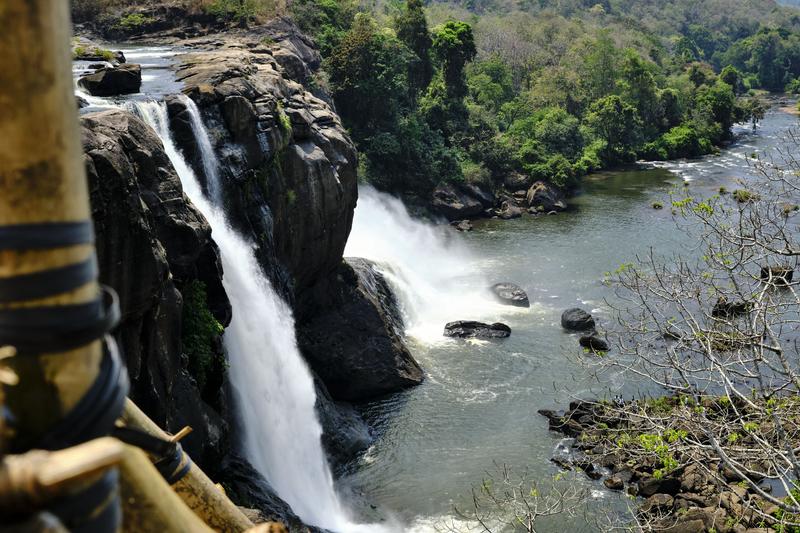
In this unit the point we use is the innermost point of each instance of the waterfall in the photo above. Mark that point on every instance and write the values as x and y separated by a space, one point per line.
431 270
274 390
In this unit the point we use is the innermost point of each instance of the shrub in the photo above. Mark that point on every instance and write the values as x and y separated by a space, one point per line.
241 10
476 173
557 170
681 141
743 196
200 332
133 21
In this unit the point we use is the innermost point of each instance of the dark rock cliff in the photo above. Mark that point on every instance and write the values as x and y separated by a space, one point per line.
151 244
289 181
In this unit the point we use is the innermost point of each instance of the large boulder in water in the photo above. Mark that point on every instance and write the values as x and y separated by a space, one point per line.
576 319
113 81
472 329
511 294
455 203
545 197
355 343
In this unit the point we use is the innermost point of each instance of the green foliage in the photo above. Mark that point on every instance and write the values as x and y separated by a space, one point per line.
454 46
133 21
550 89
327 20
240 10
412 29
490 83
410 158
681 141
200 331
618 125
369 77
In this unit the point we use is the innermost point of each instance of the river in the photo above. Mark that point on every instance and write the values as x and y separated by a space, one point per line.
478 405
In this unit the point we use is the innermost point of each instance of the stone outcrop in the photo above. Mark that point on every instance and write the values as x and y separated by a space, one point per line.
85 50
113 81
466 329
356 344
510 294
545 197
456 202
680 487
289 168
151 243
288 180
577 319
594 343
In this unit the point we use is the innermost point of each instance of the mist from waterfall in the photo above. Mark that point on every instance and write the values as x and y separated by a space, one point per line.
274 390
431 270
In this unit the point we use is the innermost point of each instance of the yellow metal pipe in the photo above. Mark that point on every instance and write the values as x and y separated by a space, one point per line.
196 489
149 504
42 180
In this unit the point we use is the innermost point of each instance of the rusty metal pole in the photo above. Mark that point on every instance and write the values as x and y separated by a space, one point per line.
42 180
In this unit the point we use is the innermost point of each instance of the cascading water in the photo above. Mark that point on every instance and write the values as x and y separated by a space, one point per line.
432 272
273 387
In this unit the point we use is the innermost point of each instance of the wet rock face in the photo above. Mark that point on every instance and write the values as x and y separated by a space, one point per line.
113 81
150 243
355 345
288 166
288 183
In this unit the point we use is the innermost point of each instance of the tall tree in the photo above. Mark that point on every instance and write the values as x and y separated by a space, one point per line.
454 45
617 124
412 29
369 76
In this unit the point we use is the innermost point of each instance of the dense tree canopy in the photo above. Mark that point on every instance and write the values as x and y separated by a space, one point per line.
485 90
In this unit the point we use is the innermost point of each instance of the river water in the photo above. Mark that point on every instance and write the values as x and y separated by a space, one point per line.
478 405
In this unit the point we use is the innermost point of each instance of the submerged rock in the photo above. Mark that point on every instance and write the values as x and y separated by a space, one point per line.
725 309
594 343
577 319
511 294
473 329
113 81
462 225
777 274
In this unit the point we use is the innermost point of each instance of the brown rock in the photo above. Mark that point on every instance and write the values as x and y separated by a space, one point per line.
658 502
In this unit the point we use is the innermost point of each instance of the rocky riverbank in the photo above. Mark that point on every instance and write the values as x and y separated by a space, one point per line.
659 450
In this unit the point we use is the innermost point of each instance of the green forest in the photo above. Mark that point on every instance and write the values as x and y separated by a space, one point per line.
504 92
